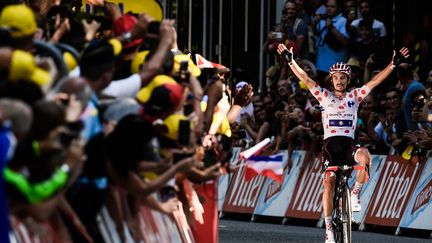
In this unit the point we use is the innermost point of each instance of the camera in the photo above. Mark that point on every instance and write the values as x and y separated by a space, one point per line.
167 193
183 137
323 16
276 35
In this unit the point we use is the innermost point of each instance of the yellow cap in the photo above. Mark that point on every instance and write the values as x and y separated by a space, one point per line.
193 69
23 68
22 65
144 94
172 123
20 19
117 46
70 61
138 61
40 76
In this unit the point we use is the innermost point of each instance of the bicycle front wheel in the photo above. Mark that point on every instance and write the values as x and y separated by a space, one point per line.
346 215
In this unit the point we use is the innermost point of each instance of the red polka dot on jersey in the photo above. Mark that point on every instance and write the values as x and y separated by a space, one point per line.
333 131
341 107
326 126
346 131
340 98
359 99
319 99
363 91
325 94
316 85
316 93
355 92
350 95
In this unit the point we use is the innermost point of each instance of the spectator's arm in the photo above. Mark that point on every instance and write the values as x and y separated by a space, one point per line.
338 35
262 132
151 68
134 184
214 94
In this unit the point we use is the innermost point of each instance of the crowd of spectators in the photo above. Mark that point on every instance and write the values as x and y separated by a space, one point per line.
102 109
105 105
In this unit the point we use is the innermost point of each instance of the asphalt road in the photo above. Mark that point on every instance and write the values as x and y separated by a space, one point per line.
251 232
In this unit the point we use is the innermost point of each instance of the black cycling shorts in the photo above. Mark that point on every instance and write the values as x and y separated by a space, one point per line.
338 150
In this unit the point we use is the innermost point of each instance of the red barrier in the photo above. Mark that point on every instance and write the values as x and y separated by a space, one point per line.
208 232
393 191
242 196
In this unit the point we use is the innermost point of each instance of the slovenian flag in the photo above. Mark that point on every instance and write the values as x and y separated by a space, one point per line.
270 166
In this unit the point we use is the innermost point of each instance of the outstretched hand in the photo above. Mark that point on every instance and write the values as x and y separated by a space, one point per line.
285 53
400 56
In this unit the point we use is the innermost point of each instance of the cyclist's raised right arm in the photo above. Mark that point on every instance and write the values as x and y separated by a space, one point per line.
298 71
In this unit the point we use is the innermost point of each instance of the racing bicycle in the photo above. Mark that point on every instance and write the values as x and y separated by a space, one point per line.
342 212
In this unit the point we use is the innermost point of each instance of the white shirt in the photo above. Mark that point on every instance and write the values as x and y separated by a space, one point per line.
378 27
339 114
124 88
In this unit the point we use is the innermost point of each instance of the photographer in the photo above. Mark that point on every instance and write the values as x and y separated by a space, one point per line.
332 41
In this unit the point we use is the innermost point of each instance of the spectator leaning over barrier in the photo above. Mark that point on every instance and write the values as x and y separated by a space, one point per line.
339 129
421 128
15 122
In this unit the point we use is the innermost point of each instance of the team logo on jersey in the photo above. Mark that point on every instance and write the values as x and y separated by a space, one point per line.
350 103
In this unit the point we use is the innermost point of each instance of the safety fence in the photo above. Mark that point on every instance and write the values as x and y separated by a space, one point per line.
155 227
397 195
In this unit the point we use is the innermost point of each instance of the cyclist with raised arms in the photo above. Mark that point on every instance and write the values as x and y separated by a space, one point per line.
339 118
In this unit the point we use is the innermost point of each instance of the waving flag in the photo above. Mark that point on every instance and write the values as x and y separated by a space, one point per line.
255 149
270 166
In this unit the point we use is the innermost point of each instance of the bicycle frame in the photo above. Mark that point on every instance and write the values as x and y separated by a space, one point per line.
342 212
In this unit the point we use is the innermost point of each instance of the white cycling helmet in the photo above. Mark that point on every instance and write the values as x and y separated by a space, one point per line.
341 68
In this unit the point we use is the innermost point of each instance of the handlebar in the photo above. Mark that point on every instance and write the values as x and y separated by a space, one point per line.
345 167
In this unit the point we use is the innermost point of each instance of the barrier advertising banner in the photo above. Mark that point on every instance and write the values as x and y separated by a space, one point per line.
306 201
275 197
419 210
242 196
397 181
368 189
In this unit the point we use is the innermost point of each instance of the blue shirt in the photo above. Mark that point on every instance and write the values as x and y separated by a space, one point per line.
7 148
414 86
90 119
327 56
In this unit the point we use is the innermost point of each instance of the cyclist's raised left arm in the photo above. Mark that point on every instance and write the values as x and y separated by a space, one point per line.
381 76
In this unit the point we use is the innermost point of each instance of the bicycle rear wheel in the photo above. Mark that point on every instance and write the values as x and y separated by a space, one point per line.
346 216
